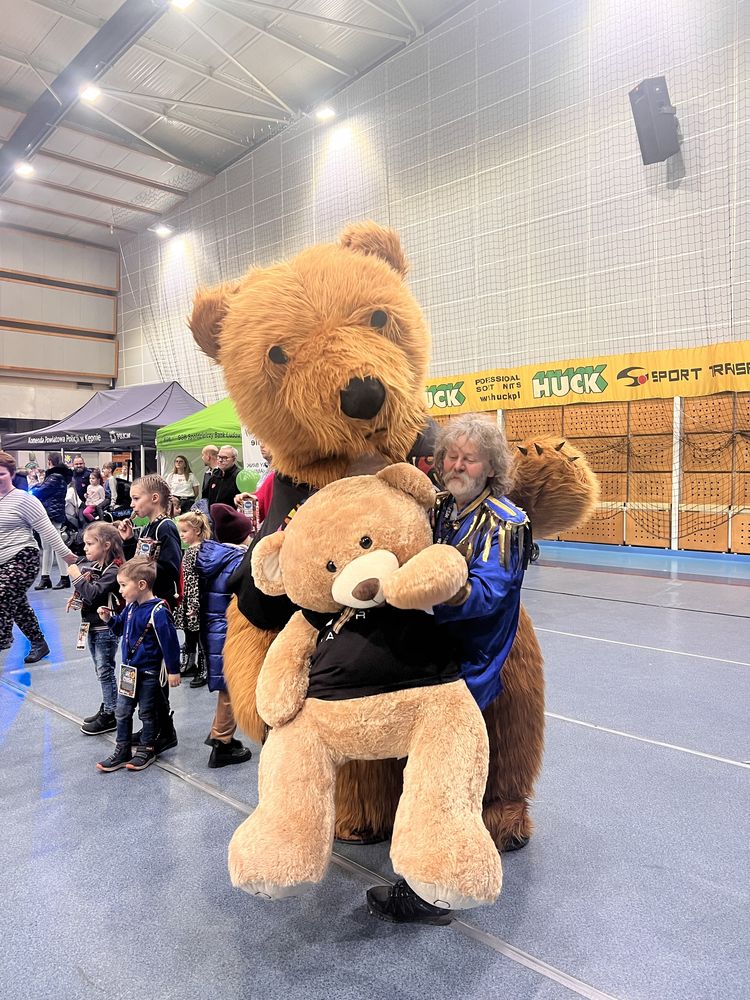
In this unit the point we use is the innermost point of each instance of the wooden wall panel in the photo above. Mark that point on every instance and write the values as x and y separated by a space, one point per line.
522 424
58 259
603 454
614 486
651 453
708 413
595 420
703 530
649 528
605 527
742 491
650 487
651 416
59 308
707 452
82 359
741 533
706 489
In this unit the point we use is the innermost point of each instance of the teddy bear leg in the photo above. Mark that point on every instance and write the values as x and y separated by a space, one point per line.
245 649
440 843
515 726
367 795
284 846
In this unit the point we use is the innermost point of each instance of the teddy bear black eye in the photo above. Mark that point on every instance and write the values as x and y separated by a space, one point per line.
277 355
331 566
365 542
379 319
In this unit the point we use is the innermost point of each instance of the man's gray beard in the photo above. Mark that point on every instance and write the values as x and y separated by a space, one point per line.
472 487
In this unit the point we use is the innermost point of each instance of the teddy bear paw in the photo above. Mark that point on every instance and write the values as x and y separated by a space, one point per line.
270 891
442 895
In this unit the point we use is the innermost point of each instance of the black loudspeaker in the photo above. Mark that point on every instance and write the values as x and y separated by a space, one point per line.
655 120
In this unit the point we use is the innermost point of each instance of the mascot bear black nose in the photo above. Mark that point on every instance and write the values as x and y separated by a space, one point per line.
362 398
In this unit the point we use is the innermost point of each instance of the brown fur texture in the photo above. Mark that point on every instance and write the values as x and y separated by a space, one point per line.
319 308
440 842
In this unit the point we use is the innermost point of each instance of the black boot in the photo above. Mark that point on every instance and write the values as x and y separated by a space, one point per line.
167 738
122 754
103 722
232 752
63 583
44 584
37 651
399 904
201 673
97 713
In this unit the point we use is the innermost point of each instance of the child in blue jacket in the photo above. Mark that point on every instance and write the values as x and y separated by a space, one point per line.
149 643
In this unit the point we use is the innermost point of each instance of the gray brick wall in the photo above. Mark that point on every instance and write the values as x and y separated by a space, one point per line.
502 148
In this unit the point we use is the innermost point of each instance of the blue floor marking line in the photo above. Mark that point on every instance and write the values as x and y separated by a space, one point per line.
646 739
638 604
638 645
368 876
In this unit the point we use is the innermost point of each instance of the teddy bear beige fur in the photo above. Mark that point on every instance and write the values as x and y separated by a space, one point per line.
353 545
292 337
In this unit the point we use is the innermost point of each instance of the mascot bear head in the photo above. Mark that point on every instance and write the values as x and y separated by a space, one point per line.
325 355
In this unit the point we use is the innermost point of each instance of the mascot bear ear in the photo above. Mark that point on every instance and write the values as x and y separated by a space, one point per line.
411 481
376 241
265 564
210 307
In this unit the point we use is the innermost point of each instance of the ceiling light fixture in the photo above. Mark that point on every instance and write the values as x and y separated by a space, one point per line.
325 114
181 4
161 230
89 92
24 169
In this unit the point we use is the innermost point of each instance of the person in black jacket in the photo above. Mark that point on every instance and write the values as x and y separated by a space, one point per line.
210 461
95 583
51 495
222 486
81 476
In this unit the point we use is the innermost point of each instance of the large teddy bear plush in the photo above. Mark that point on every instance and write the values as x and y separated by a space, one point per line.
353 678
325 356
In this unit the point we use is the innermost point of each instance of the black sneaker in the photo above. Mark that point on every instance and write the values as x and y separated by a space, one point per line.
103 722
141 759
116 760
232 752
63 583
37 651
97 713
399 904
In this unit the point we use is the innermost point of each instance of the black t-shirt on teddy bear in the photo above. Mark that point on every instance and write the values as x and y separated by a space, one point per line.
379 650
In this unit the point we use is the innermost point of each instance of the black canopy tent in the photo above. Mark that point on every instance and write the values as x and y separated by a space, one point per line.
116 420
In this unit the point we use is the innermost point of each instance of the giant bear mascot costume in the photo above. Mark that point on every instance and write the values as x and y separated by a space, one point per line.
325 357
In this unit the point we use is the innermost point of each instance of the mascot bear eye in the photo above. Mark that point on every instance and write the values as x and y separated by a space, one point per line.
365 542
331 566
277 355
379 319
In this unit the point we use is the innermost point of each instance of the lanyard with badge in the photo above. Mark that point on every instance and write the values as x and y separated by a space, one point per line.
128 674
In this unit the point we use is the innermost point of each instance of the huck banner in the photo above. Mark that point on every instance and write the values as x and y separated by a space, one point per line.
692 371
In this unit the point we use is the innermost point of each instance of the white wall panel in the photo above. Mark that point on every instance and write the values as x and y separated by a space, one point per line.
44 305
79 358
59 260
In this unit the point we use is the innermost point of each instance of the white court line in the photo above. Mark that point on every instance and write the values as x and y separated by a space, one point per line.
367 874
645 739
637 645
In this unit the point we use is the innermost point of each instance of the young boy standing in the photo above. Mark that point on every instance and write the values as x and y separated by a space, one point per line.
149 642
158 541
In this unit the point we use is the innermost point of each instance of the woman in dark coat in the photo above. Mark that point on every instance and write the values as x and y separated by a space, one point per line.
51 495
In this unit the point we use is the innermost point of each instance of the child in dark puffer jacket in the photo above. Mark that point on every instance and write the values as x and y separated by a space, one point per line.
215 563
95 583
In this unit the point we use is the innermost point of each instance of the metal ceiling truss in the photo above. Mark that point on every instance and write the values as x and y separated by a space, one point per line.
332 22
168 116
91 195
113 39
68 215
111 91
296 44
156 49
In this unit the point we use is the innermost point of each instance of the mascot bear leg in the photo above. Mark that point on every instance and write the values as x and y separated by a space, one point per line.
515 726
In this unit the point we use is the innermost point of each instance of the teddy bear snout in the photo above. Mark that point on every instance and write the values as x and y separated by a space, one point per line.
362 398
366 590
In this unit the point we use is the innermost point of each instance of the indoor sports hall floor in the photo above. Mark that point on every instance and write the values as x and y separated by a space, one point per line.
635 885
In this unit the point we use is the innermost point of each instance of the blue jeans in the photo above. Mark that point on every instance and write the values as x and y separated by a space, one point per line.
147 698
103 649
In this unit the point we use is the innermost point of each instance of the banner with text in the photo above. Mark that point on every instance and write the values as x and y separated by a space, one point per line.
691 371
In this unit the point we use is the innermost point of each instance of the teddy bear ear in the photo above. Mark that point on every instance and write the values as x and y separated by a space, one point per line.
265 564
210 306
377 241
411 481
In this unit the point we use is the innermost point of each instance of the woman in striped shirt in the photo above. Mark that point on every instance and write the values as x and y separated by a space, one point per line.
20 516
